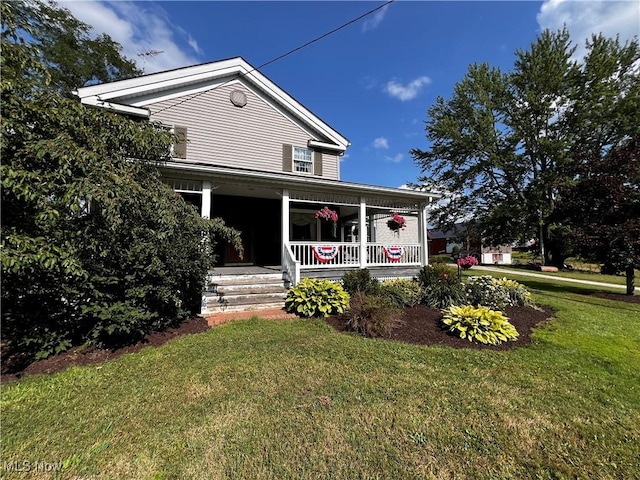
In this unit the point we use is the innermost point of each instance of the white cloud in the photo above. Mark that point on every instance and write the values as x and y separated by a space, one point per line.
375 20
139 28
395 159
586 18
194 44
380 142
344 157
408 91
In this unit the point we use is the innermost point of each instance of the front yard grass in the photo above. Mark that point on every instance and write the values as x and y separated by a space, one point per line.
295 399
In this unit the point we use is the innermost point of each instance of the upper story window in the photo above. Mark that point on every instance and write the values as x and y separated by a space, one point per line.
302 160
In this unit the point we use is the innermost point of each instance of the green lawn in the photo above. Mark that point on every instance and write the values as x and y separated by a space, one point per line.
294 399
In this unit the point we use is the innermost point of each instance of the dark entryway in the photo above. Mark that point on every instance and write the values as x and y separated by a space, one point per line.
259 220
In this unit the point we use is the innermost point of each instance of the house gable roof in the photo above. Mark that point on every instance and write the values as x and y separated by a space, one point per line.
130 96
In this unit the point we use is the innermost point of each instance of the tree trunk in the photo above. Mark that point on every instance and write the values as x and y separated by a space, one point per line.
630 280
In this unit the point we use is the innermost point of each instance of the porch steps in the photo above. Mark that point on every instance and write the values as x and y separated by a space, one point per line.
243 292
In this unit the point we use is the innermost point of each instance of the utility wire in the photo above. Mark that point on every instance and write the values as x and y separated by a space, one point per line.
281 56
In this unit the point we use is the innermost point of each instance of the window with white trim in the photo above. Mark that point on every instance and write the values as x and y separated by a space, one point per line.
302 160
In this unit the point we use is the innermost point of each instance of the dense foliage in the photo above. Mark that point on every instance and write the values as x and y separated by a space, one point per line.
605 194
441 286
478 324
372 315
316 297
402 292
95 248
360 280
504 146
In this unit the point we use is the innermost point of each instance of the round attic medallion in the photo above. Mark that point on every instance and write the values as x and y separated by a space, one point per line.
238 98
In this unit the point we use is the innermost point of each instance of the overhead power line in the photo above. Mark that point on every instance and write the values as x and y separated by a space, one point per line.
282 56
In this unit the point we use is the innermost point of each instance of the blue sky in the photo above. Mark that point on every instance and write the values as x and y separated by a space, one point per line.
374 80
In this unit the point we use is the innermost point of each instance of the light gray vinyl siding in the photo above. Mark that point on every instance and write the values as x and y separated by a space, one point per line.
385 235
250 137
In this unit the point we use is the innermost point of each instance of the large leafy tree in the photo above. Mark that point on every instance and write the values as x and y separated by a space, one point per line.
604 199
500 145
95 248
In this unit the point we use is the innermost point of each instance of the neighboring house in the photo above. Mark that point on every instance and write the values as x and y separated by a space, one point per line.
259 159
457 240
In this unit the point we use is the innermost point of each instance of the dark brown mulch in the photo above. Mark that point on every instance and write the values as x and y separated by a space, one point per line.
421 326
618 297
13 368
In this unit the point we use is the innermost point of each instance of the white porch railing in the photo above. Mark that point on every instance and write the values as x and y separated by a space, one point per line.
402 254
347 254
290 266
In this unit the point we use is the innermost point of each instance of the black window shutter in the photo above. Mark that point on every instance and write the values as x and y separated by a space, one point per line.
287 158
317 163
180 147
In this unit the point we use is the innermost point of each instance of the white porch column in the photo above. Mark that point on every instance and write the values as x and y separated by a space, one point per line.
362 231
285 221
205 210
422 234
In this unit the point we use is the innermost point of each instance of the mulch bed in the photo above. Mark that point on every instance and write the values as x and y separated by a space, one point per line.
421 326
13 368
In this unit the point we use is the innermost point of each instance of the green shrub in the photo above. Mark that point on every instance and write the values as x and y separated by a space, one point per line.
441 287
360 281
484 290
315 297
402 292
497 293
372 315
516 293
479 324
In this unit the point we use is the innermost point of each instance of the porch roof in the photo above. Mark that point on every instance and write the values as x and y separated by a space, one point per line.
302 188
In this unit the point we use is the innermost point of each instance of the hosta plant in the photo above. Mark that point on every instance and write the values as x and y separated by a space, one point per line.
315 297
479 324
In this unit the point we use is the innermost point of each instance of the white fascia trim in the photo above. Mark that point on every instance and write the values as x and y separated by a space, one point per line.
153 80
325 146
116 107
302 182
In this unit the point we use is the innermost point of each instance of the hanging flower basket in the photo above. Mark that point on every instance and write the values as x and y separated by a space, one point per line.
396 223
329 215
467 262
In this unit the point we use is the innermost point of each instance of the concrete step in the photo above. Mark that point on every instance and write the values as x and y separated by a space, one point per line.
256 298
258 289
242 308
236 293
245 279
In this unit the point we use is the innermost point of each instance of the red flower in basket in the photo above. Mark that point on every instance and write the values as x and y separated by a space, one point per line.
329 215
397 222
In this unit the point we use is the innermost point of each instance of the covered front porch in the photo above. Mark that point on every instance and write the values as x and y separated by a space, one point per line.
277 217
